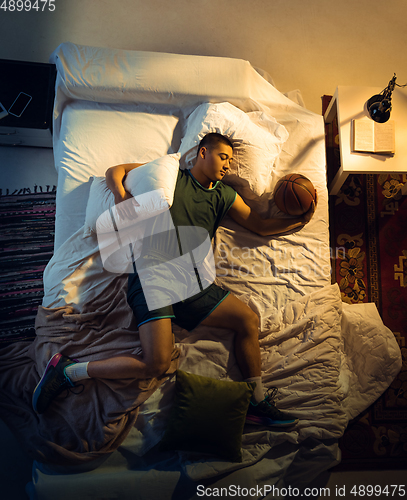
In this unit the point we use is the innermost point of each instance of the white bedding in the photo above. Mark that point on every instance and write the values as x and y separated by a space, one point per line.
132 106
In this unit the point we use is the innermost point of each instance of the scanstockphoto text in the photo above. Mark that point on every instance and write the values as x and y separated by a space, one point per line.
27 5
338 491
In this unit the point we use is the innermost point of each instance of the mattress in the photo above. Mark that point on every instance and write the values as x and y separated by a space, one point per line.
116 107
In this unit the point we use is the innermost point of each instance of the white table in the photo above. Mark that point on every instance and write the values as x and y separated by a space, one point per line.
349 103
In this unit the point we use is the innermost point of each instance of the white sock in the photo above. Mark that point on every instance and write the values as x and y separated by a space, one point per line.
77 371
258 394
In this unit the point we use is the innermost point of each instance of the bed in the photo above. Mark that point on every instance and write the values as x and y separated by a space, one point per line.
328 360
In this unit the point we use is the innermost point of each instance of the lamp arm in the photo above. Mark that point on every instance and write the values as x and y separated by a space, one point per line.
389 89
379 106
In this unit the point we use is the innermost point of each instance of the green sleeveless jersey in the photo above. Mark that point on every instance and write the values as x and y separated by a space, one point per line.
197 206
196 212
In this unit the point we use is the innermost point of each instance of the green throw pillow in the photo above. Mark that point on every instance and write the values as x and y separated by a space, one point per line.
208 416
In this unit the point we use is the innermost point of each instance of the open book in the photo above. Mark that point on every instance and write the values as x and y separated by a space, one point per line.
372 137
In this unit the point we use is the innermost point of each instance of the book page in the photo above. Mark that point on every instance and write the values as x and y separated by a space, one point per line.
363 135
372 137
385 137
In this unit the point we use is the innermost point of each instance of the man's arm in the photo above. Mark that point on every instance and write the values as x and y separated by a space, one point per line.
249 219
115 177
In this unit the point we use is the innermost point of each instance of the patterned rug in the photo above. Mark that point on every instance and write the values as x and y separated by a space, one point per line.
26 244
368 220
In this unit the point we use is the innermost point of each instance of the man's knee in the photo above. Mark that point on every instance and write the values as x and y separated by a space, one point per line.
158 366
235 315
253 321
157 345
247 322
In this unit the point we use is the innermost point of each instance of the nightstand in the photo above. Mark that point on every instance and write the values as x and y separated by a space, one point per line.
349 103
33 84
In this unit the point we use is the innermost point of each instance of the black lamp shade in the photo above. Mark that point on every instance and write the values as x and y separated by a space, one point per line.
379 105
379 108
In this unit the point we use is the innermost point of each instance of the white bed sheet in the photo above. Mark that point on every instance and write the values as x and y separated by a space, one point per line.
298 262
309 339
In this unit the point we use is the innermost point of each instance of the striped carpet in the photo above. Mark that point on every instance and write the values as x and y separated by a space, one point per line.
26 246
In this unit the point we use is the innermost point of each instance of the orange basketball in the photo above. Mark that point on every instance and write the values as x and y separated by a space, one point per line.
294 194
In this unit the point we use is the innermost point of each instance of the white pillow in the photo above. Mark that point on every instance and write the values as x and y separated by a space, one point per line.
93 137
257 139
152 185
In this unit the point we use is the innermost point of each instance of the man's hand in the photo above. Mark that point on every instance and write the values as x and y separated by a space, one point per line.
121 196
124 201
308 215
249 219
125 205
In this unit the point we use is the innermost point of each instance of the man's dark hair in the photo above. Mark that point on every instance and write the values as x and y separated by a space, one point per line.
212 141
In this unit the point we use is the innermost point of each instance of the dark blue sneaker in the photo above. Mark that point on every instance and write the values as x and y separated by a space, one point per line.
52 383
265 413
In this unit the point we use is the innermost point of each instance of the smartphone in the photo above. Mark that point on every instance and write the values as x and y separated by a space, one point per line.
3 111
19 105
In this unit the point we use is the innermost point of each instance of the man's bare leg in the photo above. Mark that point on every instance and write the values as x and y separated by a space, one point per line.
157 346
232 313
62 372
235 315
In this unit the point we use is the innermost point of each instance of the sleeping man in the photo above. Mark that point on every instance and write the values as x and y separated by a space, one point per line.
201 200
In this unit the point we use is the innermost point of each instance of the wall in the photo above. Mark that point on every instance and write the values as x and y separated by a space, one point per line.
313 45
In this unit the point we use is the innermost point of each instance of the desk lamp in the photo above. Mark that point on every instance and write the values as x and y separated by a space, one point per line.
379 105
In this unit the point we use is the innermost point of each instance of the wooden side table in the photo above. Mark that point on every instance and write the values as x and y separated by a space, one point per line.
30 125
349 103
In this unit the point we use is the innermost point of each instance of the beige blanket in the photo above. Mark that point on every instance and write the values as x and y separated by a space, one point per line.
77 428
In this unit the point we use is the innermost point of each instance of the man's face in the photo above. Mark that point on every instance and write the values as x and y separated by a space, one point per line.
217 161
